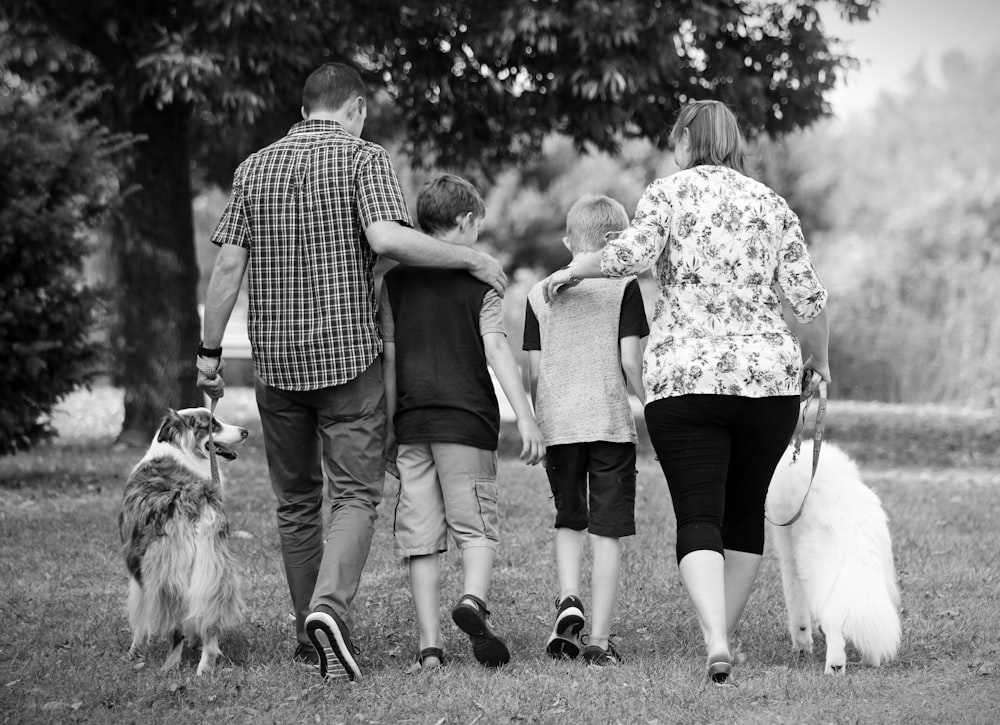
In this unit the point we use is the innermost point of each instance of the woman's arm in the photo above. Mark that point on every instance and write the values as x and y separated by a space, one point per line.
632 251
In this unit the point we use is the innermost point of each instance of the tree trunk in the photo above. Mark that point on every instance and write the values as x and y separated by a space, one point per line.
158 273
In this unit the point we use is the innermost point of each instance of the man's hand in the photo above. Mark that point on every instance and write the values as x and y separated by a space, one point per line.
210 376
488 270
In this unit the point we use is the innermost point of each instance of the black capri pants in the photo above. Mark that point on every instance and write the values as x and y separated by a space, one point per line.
718 453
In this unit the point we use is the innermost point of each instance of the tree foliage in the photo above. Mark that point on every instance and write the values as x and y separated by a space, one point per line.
471 82
56 184
911 248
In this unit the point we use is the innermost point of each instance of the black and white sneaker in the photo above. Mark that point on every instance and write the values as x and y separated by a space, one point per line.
305 654
595 655
332 642
564 642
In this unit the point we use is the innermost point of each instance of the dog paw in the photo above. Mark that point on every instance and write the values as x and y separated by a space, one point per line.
835 667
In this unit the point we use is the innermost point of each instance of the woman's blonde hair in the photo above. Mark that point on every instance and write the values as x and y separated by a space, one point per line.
714 133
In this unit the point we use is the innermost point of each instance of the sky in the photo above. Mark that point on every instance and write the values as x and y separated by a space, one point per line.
903 33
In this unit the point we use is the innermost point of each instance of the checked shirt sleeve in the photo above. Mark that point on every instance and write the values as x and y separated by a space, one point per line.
232 227
380 197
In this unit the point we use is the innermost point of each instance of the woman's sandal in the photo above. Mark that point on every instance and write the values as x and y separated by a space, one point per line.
427 653
720 673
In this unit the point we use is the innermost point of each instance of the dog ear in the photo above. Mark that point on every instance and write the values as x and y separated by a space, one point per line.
169 426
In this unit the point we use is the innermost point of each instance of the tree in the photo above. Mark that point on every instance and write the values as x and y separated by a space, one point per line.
474 81
911 250
56 184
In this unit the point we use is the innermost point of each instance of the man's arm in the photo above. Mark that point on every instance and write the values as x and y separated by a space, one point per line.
409 246
223 291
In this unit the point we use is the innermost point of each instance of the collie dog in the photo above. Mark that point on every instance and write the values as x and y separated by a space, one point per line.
183 579
836 559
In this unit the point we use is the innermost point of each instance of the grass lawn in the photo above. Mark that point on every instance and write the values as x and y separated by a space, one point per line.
64 635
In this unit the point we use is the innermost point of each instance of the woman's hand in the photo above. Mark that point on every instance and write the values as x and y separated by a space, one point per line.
561 278
813 373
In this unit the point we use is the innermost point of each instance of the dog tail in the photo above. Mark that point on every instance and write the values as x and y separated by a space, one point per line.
872 622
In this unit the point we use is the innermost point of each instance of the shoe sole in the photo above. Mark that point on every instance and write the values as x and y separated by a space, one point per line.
561 648
569 620
487 648
335 660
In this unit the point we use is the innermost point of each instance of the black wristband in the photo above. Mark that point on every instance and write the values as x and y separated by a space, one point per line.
209 351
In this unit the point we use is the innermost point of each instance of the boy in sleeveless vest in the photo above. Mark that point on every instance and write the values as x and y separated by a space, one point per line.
584 351
441 328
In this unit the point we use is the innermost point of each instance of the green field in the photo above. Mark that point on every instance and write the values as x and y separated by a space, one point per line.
64 633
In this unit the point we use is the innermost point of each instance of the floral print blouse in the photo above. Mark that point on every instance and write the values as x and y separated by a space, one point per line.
720 242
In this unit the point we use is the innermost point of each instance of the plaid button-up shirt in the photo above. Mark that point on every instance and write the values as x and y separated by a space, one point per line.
300 206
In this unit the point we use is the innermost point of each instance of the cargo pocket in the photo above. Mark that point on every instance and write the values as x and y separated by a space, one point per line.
488 494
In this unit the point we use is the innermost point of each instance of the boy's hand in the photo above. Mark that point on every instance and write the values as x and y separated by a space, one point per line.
532 442
389 453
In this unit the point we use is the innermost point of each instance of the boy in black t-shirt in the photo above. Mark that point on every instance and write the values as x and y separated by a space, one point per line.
441 329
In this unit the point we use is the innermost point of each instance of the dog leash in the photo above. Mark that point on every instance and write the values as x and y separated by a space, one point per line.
797 446
213 460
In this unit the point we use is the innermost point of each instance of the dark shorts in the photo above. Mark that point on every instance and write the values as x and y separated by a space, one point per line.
607 506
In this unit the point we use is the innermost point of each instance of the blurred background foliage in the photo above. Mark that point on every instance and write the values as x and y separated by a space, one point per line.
899 205
198 84
900 208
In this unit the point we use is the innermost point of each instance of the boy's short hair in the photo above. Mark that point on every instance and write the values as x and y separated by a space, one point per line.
590 219
445 198
331 86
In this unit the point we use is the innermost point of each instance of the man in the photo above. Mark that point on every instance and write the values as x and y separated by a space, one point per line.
307 218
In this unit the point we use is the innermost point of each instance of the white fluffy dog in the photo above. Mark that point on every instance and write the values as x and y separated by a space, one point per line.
836 559
183 579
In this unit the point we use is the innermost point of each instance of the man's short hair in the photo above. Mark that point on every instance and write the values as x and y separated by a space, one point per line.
445 198
590 219
331 86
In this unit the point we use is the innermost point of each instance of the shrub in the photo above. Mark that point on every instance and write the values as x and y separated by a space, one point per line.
56 184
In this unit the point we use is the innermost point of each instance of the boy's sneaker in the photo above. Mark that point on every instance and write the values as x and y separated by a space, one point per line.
305 654
564 642
470 614
332 643
594 655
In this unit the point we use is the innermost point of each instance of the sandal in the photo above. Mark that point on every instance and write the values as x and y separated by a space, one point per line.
425 653
720 673
471 617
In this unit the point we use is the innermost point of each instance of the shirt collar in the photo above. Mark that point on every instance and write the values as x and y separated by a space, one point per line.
317 126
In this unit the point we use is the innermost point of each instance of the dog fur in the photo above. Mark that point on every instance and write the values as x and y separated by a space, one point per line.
836 559
183 579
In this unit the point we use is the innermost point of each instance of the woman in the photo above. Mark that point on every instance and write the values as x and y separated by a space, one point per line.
723 371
